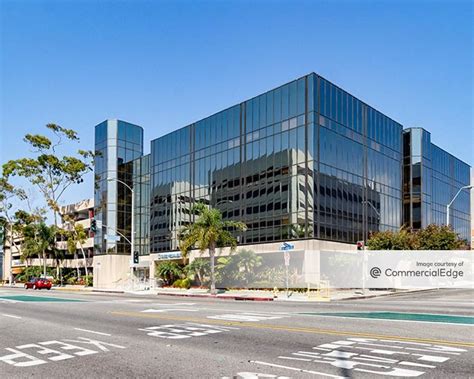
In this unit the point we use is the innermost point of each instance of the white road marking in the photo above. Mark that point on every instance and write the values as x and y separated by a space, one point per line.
247 317
98 344
92 331
168 310
387 356
19 358
295 359
181 331
256 375
298 369
171 304
4 314
416 364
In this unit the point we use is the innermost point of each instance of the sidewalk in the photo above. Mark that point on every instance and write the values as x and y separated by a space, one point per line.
243 295
249 295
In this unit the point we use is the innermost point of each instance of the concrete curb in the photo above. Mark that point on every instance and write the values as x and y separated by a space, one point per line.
87 290
386 294
222 297
108 291
71 289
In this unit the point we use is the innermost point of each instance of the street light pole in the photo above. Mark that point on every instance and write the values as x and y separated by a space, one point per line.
452 201
132 242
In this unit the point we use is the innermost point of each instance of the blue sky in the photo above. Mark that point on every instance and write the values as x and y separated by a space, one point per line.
164 64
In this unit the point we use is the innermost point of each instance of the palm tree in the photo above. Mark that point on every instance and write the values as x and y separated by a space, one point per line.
199 268
58 256
248 262
209 232
77 236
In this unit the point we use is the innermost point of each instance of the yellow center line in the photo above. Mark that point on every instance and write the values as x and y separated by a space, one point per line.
295 329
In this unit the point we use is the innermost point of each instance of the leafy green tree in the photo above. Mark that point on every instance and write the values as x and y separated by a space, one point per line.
22 219
208 232
168 271
388 240
48 172
433 237
8 193
40 239
199 268
439 237
32 272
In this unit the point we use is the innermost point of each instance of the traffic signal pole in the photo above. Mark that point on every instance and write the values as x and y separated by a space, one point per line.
132 261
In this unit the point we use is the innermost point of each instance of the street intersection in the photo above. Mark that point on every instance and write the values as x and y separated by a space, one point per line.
65 334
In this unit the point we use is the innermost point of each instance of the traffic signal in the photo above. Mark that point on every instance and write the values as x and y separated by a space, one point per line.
360 245
135 257
93 226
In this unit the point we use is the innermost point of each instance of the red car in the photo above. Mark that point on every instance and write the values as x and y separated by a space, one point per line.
38 283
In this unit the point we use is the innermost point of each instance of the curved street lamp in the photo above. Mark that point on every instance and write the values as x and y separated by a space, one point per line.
452 201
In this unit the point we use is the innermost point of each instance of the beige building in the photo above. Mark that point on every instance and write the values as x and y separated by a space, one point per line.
80 213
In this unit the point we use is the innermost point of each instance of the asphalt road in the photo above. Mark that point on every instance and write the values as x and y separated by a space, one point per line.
57 334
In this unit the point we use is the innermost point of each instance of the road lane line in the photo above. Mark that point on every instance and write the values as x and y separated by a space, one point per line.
12 316
291 329
296 359
298 369
415 364
92 331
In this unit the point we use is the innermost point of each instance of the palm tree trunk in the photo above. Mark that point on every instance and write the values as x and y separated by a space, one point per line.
78 271
44 263
212 252
83 257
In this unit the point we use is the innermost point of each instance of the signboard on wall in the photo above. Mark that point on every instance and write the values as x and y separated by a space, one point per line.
287 246
169 255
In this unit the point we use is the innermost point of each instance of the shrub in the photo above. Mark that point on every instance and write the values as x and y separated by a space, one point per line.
182 283
33 272
88 280
168 271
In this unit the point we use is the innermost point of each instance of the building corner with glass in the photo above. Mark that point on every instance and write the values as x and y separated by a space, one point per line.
306 162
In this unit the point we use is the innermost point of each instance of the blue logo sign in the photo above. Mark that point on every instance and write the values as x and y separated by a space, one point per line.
287 246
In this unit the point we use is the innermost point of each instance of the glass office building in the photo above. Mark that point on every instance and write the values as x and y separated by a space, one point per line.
305 160
431 178
141 184
116 143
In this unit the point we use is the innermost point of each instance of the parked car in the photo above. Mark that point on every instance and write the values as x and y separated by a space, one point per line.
38 283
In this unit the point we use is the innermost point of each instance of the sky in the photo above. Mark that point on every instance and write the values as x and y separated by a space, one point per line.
165 64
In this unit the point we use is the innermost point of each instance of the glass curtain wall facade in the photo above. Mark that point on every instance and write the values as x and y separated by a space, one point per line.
305 160
141 186
431 178
116 143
